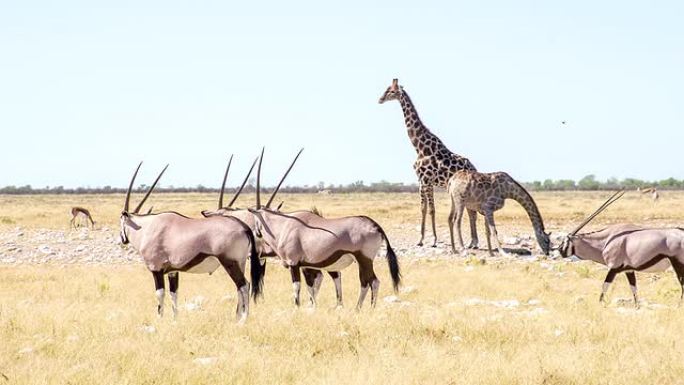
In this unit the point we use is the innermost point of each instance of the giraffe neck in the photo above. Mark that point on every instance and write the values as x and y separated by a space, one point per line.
520 195
419 135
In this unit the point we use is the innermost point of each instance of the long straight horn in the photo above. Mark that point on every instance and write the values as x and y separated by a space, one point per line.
244 182
283 179
130 187
617 195
223 185
149 191
258 186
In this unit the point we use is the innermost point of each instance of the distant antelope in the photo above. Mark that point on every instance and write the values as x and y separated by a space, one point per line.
627 248
485 194
312 277
325 192
170 242
652 191
324 244
84 214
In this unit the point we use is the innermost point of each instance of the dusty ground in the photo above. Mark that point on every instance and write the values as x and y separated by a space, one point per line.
76 307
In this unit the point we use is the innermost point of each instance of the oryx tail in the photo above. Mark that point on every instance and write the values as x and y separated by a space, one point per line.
255 268
392 261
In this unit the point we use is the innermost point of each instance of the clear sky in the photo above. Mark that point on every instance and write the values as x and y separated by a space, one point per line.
86 90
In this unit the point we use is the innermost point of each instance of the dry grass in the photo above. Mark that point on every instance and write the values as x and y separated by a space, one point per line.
87 324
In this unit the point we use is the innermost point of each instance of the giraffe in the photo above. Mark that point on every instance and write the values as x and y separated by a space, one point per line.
435 163
486 193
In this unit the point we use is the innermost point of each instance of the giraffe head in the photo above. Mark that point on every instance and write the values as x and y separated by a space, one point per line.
393 92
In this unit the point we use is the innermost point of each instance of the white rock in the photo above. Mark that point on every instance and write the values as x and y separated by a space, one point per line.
148 329
407 289
510 303
45 249
456 339
26 350
205 360
534 302
391 299
473 302
468 269
558 332
511 240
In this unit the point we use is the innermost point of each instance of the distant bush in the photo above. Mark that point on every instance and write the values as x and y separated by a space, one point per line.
588 183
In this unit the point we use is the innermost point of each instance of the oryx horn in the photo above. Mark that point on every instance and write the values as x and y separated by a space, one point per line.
283 179
258 183
617 195
130 187
149 191
223 185
244 182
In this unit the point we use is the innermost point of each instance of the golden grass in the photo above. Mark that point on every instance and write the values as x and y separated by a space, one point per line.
90 324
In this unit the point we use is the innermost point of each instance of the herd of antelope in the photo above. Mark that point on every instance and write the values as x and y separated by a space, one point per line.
308 244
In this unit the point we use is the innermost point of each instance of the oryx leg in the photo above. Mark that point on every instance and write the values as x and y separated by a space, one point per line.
173 278
631 277
296 283
159 291
679 270
73 222
337 279
474 242
313 279
368 280
606 284
456 215
237 274
423 210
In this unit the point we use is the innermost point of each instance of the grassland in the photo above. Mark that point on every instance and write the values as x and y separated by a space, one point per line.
455 322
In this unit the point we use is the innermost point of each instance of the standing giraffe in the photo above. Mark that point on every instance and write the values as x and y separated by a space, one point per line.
435 163
486 193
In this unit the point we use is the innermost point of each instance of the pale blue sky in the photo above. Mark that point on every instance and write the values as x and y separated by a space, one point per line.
86 91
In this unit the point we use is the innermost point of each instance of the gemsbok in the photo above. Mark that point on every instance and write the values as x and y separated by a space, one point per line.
322 243
627 248
170 243
78 213
312 277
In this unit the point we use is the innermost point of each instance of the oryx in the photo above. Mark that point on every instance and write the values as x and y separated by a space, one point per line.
627 248
170 242
312 277
322 243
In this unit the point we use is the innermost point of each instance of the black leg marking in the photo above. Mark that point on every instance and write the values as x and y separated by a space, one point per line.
159 290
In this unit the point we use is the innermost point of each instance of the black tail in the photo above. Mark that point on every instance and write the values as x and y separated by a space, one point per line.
256 270
392 261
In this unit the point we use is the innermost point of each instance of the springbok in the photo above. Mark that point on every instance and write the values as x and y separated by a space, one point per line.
170 243
627 248
322 243
312 277
652 191
80 212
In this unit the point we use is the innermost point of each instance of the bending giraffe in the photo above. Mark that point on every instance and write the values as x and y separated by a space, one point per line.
435 163
486 193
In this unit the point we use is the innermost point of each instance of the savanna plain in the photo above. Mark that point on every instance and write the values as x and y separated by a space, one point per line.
78 308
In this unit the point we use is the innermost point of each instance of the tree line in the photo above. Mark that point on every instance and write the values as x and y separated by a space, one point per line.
588 183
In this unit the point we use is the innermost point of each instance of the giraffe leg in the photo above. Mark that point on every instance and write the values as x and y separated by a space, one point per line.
423 212
489 218
456 214
432 216
474 242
